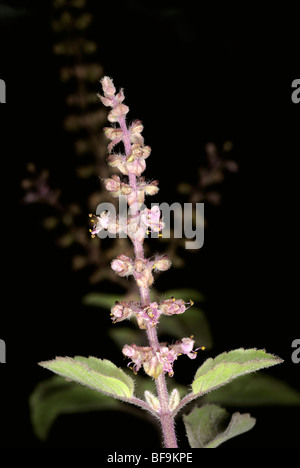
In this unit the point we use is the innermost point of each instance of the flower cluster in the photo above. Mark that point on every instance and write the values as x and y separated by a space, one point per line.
148 314
157 358
141 269
161 360
134 227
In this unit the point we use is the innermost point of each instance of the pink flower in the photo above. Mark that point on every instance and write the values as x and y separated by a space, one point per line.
102 223
118 161
122 265
150 314
162 263
173 306
113 184
118 111
185 346
121 311
166 357
151 218
135 165
108 86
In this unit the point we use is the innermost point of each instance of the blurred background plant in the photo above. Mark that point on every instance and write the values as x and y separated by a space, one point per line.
79 73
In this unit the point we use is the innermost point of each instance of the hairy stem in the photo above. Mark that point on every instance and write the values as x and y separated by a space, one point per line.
166 417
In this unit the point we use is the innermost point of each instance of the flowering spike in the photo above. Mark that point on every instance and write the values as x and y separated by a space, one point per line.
157 359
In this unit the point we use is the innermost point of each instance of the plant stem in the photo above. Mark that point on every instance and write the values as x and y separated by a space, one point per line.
166 417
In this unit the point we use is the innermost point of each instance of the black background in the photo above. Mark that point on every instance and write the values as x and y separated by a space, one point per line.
192 76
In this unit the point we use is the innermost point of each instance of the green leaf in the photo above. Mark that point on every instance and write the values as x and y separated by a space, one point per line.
210 426
255 390
98 374
104 300
57 396
227 366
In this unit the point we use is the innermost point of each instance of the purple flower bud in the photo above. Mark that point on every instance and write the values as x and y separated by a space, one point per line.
121 311
122 265
136 166
108 86
118 161
112 184
120 96
187 345
128 351
102 222
107 101
172 306
150 314
118 111
151 218
162 263
151 189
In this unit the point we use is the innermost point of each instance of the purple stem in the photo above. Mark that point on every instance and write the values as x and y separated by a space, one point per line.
166 416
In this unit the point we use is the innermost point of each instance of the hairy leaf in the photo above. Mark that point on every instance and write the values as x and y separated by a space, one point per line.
255 390
210 426
57 396
227 366
98 374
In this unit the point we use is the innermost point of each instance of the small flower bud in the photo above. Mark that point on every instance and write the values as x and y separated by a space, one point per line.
172 306
152 189
146 151
108 86
120 96
140 198
112 133
107 101
112 184
136 166
153 367
136 127
119 111
144 279
122 265
121 311
125 189
114 226
152 400
162 263
128 351
141 322
118 161
151 218
139 265
174 399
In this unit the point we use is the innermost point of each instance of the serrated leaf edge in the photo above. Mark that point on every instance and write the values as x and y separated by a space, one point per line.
124 397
